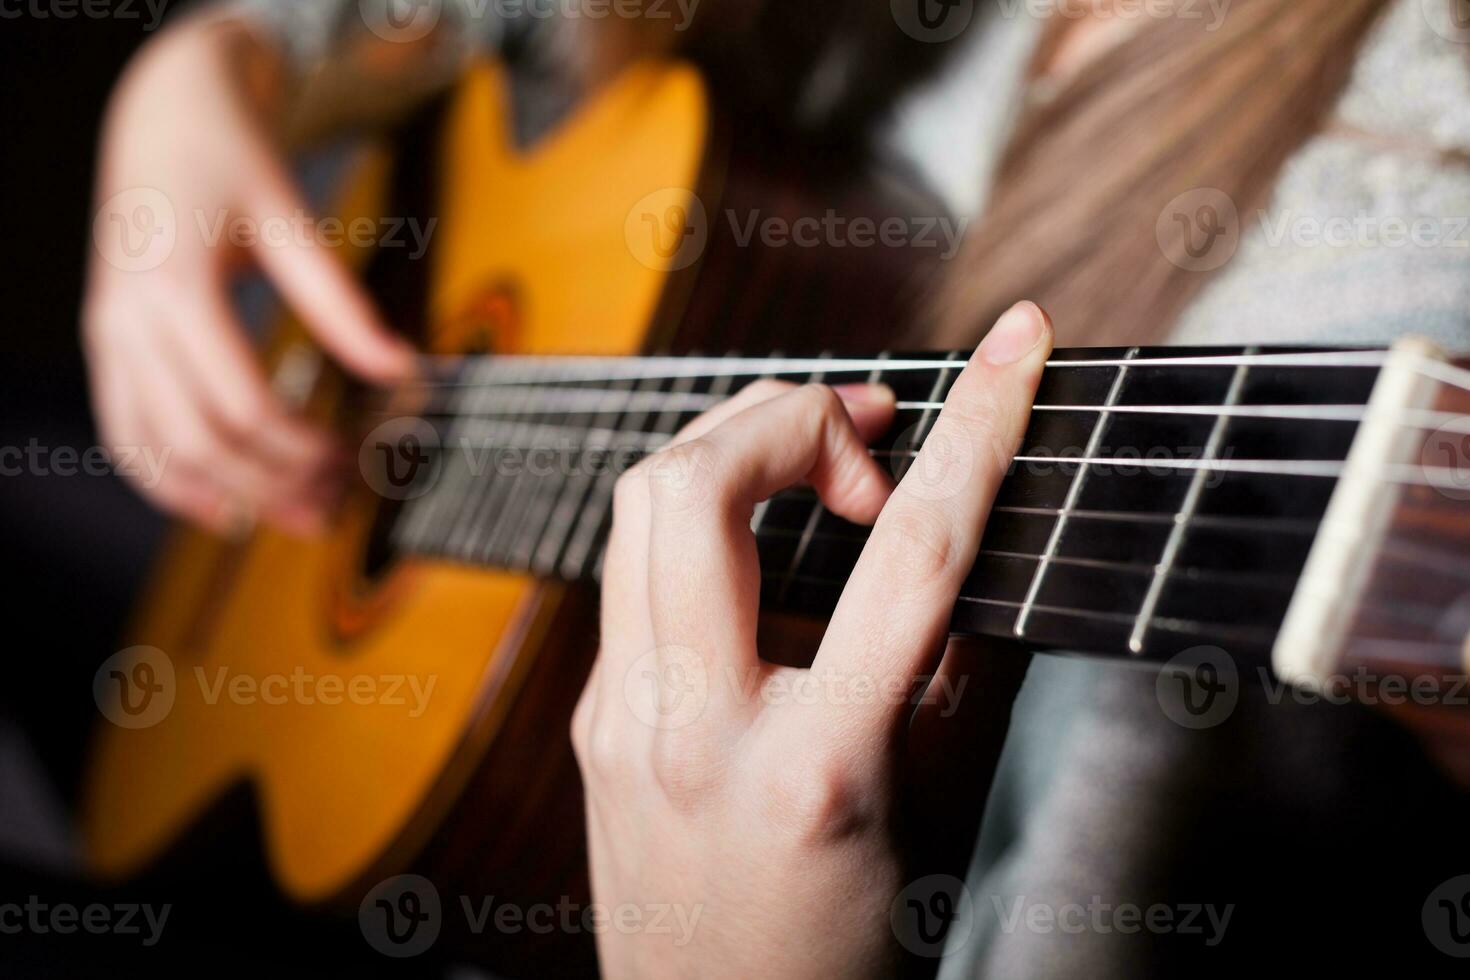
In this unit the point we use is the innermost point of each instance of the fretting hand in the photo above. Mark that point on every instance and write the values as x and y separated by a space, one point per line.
776 827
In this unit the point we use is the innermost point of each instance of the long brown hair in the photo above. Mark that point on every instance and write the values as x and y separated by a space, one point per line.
1074 220
1185 104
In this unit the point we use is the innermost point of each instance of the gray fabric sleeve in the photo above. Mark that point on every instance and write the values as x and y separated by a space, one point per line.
312 33
361 64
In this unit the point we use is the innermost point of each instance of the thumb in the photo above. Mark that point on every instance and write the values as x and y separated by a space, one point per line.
323 293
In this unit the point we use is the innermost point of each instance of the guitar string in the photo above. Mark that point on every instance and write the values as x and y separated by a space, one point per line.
1435 477
584 368
1185 573
579 401
1271 525
1448 374
1454 422
1412 614
1225 522
1195 574
1419 555
1200 627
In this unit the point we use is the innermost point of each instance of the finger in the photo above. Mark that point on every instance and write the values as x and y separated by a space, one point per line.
323 293
865 405
703 492
893 617
629 642
218 363
758 391
627 626
625 578
292 497
191 496
123 428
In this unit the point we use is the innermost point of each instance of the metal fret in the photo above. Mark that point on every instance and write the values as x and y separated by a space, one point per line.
1186 513
1074 493
758 516
595 514
526 545
589 542
456 486
1159 558
930 411
664 427
495 494
526 491
574 491
812 518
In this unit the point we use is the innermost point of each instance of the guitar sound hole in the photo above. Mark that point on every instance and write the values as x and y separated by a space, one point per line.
378 553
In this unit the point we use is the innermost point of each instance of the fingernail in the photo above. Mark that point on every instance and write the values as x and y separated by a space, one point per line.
1015 334
865 394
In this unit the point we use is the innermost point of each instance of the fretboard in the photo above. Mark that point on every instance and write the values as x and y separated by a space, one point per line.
1162 497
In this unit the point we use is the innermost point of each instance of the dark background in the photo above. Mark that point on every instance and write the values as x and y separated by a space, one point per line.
77 547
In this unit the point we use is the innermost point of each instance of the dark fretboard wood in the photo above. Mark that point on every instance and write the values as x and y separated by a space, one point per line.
1162 497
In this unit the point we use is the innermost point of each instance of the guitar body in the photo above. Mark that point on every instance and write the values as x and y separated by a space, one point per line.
411 715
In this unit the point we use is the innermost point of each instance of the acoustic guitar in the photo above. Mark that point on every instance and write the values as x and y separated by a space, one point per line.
394 696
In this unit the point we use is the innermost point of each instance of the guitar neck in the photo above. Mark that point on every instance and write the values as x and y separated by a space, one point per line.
1162 497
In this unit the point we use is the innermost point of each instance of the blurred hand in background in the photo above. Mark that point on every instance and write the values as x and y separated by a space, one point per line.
171 367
